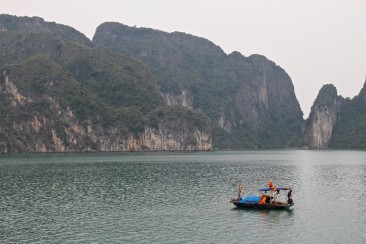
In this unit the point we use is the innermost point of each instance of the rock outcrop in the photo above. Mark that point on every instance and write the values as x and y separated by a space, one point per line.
324 115
58 129
185 99
350 130
60 92
250 100
57 94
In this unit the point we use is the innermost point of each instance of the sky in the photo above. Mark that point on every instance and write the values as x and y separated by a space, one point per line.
316 42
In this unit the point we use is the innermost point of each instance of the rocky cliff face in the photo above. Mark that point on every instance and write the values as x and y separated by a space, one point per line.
350 130
265 93
324 115
166 140
58 129
185 99
57 94
60 94
250 100
336 122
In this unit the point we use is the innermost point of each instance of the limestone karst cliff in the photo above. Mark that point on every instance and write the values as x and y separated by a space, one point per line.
336 122
37 121
350 130
323 118
57 94
250 100
134 89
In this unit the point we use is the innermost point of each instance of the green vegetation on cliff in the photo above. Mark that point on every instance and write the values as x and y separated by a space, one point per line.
250 100
102 83
10 23
335 122
350 131
58 93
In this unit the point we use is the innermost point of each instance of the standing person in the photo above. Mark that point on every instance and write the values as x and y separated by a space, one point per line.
270 185
289 199
289 194
240 189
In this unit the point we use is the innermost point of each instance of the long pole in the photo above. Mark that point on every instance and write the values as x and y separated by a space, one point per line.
240 188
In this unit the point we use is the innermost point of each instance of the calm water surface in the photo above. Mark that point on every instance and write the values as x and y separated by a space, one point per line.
181 198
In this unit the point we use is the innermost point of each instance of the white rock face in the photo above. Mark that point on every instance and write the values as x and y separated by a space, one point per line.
322 127
163 140
12 90
323 118
185 99
224 124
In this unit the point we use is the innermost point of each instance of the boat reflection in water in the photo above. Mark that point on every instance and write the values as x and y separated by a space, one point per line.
270 197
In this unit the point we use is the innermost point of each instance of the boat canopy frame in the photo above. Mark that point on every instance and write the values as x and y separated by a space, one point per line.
276 189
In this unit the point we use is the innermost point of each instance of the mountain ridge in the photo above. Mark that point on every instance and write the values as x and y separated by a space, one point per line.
59 95
214 82
136 89
37 25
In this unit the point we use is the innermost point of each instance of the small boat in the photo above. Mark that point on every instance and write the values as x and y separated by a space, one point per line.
270 197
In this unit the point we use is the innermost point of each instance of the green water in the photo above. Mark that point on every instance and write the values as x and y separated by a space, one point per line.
180 198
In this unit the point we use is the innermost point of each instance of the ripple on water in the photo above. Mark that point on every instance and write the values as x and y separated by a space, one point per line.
181 198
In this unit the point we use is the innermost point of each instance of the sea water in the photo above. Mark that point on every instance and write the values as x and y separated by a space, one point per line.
181 197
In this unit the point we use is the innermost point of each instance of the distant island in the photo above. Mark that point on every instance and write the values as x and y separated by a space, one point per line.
139 89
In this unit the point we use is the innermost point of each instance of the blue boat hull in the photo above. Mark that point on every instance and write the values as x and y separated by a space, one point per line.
276 205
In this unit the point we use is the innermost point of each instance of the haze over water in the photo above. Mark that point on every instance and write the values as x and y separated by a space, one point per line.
180 197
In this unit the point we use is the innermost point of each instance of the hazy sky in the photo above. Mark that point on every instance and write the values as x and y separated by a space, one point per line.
315 41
